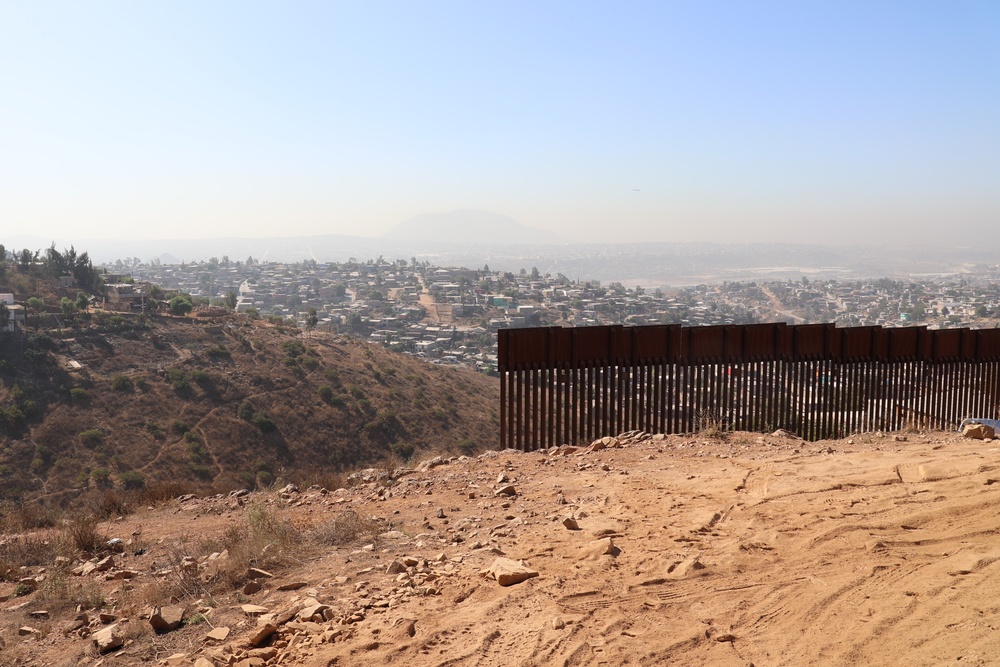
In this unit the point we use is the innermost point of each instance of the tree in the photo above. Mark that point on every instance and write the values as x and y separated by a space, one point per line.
3 253
37 306
82 301
25 258
68 307
180 305
4 316
311 319
231 300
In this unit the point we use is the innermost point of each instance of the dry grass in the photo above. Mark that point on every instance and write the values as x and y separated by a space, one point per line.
347 528
710 425
85 535
29 551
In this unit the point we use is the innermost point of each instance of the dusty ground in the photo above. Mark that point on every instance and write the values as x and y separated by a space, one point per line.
761 550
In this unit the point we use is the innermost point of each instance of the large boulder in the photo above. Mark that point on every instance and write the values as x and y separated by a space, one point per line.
978 432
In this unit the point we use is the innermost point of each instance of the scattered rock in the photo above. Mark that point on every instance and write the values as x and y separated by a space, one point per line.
507 490
978 432
107 639
28 583
262 634
165 619
218 634
292 586
253 609
571 523
508 572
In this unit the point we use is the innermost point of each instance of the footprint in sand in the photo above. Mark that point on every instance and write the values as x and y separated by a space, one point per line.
756 481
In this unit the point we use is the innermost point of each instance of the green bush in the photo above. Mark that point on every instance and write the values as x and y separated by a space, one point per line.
32 410
262 421
131 480
101 478
155 430
325 393
79 395
180 305
122 383
218 352
12 420
180 426
201 377
245 411
403 450
91 437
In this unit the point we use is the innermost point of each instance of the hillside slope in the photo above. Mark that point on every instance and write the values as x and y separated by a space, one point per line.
220 404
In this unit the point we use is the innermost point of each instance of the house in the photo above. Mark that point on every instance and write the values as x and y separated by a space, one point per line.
17 312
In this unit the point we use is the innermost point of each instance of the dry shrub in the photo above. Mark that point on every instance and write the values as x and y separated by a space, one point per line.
62 592
22 517
85 535
26 551
159 493
347 528
263 539
710 425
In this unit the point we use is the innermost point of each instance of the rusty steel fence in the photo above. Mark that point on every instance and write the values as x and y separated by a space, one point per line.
567 385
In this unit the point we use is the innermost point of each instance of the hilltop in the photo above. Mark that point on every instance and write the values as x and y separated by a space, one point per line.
643 550
470 226
130 401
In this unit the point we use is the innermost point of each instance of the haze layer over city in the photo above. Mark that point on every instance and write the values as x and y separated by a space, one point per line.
851 124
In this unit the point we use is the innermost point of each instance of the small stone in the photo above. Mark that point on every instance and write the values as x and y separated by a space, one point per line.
104 564
26 630
292 586
571 523
253 609
395 567
251 587
508 490
558 623
107 639
165 619
508 572
257 573
218 634
262 634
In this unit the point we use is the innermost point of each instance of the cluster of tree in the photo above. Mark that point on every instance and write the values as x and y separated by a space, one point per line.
55 264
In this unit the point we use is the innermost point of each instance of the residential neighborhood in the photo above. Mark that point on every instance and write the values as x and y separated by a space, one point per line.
450 315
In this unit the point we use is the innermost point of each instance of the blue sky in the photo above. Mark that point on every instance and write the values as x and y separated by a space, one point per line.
832 122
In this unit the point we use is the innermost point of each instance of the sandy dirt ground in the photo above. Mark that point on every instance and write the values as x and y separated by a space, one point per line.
748 550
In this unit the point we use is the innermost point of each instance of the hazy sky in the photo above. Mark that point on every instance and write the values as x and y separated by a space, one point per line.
736 121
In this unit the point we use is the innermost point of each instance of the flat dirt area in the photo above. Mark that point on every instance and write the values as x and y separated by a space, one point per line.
749 550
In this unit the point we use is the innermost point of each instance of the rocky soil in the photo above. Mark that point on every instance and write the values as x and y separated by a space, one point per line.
645 550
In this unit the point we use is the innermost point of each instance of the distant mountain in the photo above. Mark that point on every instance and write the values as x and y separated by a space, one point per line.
468 226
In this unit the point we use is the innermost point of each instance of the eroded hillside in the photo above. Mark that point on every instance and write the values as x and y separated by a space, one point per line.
219 404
